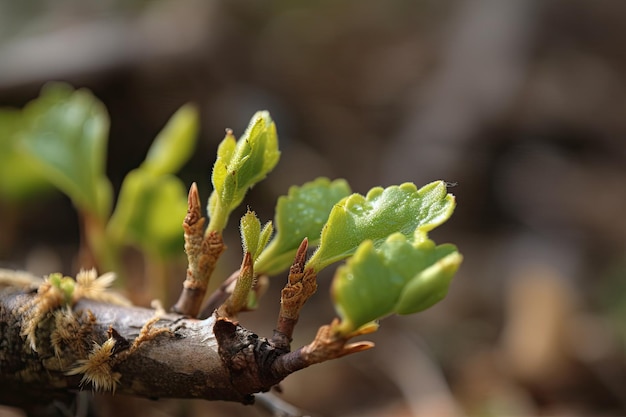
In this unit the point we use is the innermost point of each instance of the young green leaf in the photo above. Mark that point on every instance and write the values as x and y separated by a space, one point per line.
66 137
429 286
264 237
239 165
175 143
403 209
253 237
150 212
301 213
19 178
250 228
397 277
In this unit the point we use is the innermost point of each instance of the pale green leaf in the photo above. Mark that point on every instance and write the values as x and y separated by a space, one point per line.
403 209
149 213
174 145
250 228
266 233
19 177
239 167
301 213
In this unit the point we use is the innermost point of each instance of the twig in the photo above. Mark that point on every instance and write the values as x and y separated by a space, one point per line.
327 345
202 255
301 285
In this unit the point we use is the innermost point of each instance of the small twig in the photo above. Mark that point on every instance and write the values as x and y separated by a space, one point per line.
301 285
327 345
202 255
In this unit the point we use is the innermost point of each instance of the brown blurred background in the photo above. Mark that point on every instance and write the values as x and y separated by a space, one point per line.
522 102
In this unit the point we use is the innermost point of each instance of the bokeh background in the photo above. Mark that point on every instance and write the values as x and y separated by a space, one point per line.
521 102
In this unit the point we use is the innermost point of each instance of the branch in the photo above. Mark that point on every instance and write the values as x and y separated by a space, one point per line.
57 340
129 350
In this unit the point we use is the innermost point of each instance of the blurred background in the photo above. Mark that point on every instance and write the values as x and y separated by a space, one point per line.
520 102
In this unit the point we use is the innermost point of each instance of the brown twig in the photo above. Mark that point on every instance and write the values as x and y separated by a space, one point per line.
203 251
301 285
327 345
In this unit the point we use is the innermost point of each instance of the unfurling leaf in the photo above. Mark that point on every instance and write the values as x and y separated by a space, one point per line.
300 214
253 237
240 165
382 212
399 276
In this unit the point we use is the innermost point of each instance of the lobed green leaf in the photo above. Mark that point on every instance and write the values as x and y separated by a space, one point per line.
398 276
300 214
403 209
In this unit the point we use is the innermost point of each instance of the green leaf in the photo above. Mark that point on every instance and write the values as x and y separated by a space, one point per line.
150 213
250 228
174 145
266 233
253 237
19 177
403 209
241 164
429 286
397 277
66 137
301 213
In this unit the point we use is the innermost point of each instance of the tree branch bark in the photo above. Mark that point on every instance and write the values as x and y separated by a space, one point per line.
59 336
164 356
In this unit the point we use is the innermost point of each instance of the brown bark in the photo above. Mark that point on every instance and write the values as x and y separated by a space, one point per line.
58 336
166 356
